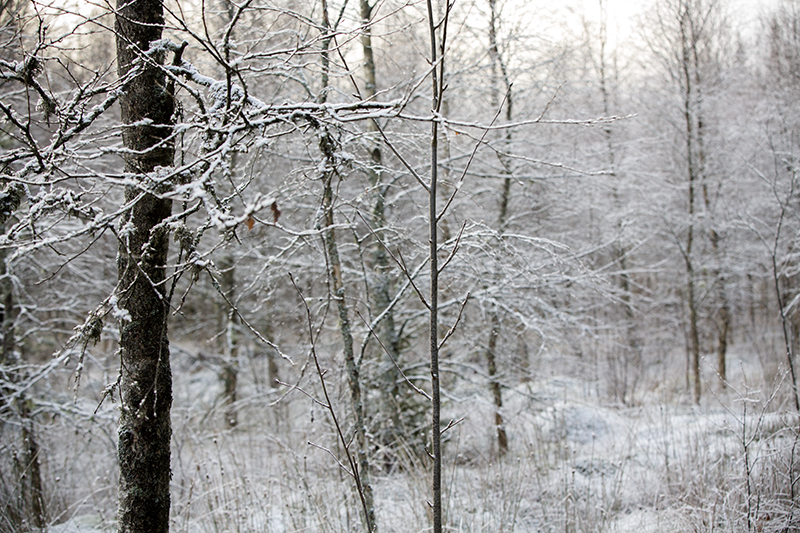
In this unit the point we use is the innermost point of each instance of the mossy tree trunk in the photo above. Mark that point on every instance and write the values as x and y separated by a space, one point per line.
32 488
146 379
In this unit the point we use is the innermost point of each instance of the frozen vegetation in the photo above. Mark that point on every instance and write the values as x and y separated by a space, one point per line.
577 462
251 251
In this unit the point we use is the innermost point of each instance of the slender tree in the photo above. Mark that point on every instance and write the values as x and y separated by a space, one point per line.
437 84
500 81
687 36
382 286
328 147
685 66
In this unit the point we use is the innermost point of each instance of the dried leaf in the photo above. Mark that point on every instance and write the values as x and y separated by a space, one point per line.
276 213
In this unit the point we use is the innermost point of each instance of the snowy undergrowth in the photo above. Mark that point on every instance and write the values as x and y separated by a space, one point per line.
576 463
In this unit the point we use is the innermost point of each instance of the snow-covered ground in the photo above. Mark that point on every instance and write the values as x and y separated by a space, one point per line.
576 463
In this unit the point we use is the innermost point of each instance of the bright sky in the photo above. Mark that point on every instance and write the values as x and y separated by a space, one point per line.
622 13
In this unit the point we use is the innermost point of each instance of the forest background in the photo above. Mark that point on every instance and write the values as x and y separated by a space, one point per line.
591 228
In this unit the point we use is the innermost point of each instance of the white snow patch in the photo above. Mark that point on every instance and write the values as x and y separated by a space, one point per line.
87 523
120 313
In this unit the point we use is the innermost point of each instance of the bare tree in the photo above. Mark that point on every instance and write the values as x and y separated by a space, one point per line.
382 282
330 151
500 83
438 38
686 37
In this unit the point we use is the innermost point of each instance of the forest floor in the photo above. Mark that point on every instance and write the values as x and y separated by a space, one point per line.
576 462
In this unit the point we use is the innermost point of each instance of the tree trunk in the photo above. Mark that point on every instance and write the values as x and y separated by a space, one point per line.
353 371
433 302
689 117
230 367
33 472
723 314
327 146
494 383
146 379
9 313
694 337
32 489
382 286
273 373
499 79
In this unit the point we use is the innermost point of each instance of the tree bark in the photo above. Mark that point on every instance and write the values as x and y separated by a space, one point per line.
327 147
230 367
499 79
433 302
146 379
686 38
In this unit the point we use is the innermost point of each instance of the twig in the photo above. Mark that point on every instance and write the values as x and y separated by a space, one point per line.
405 378
400 264
332 412
455 324
455 248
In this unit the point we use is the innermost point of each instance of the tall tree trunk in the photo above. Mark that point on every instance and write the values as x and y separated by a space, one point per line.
230 367
146 379
433 302
499 80
382 286
689 118
719 280
327 145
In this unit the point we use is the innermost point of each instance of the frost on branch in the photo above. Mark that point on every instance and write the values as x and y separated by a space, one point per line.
120 313
11 197
224 221
223 95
